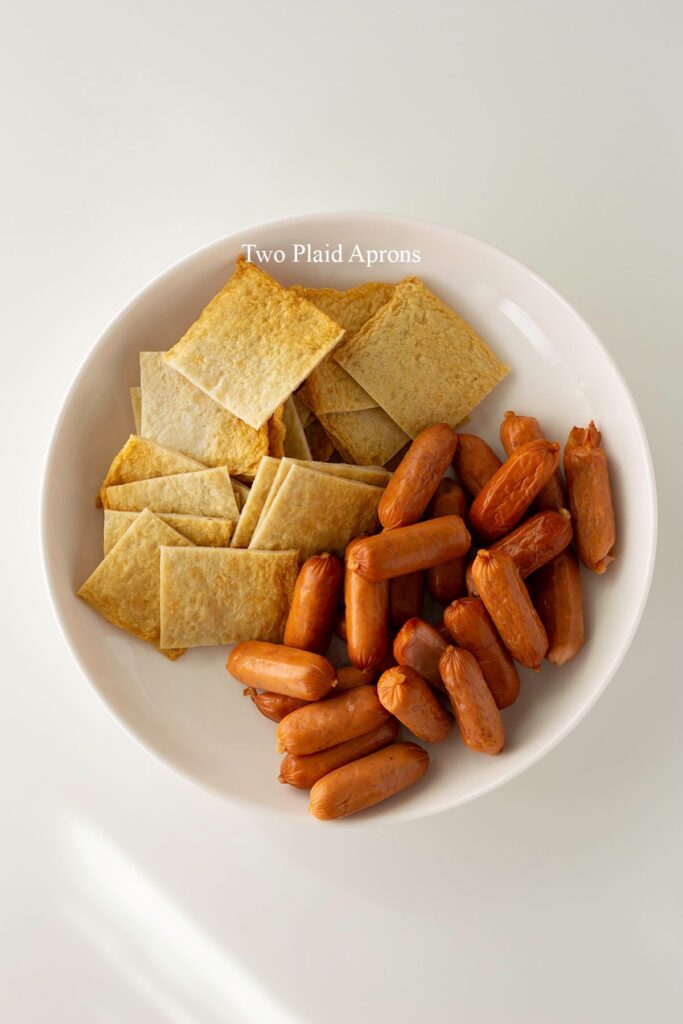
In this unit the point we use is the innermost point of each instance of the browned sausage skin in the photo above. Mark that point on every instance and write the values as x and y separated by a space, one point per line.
314 603
446 581
329 722
557 590
274 706
470 626
340 624
280 669
406 595
420 646
507 601
367 617
503 501
407 696
367 781
349 677
408 548
303 770
474 462
537 540
590 497
406 495
478 718
518 430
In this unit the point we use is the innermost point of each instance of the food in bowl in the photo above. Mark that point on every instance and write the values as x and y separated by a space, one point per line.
233 404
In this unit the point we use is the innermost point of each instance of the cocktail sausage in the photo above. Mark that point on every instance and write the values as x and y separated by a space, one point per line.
503 501
507 601
316 595
478 718
280 669
471 628
367 781
329 722
590 497
420 645
407 696
303 770
557 589
408 548
406 495
474 462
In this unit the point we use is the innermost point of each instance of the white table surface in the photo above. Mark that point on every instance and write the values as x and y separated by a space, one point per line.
138 131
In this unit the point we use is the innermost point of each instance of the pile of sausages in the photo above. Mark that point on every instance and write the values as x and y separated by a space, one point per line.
497 548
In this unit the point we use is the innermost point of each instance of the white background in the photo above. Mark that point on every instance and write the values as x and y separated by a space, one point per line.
135 132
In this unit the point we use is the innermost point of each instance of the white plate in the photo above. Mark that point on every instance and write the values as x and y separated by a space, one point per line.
190 713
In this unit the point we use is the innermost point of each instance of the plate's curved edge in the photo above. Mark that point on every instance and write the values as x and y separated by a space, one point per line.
382 820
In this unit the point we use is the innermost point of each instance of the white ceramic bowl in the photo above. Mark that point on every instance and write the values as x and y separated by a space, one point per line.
190 713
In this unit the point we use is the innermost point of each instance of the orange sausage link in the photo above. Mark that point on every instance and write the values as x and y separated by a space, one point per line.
303 770
470 585
507 601
420 646
518 430
406 595
474 462
329 722
281 669
349 677
445 582
316 595
471 628
406 495
340 624
590 497
478 718
367 618
407 696
274 705
557 588
449 500
408 548
503 501
537 540
367 781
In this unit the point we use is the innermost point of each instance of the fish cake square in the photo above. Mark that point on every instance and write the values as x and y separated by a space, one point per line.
253 344
420 360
